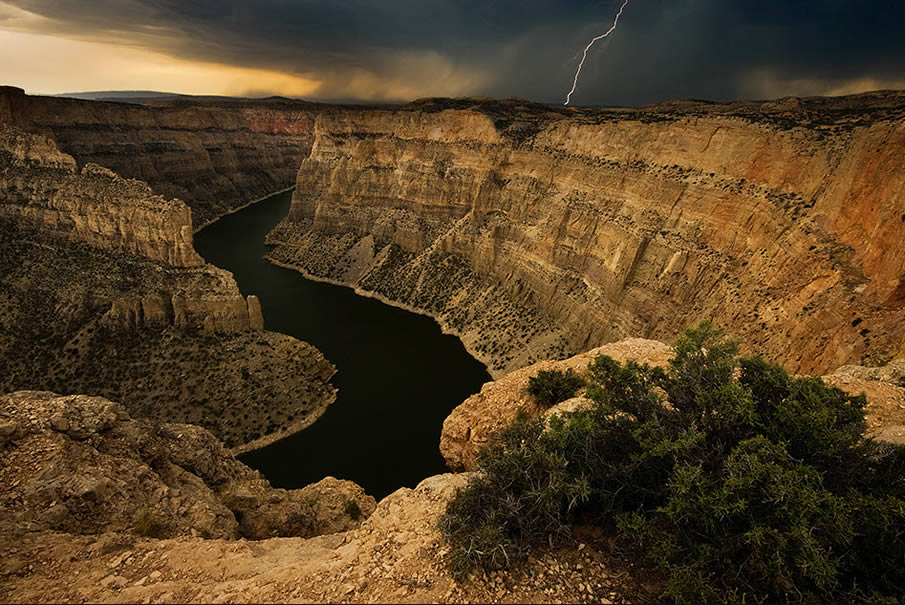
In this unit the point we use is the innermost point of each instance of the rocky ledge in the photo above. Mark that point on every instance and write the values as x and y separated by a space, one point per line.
97 507
65 459
82 465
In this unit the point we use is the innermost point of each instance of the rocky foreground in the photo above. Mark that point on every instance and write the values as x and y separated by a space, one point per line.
82 465
98 507
78 475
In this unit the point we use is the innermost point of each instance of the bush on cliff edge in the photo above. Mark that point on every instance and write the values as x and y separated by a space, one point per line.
550 387
737 480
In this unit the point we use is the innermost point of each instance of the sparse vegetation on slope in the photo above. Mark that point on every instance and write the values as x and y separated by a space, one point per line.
241 385
735 479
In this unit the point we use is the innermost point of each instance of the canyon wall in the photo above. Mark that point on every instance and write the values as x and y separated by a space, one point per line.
45 198
214 155
538 232
43 191
101 292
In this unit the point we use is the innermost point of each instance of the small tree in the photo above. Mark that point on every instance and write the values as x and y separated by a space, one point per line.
550 387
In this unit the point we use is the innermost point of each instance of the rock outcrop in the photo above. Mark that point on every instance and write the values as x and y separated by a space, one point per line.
535 232
885 390
96 506
480 417
44 193
81 465
214 155
101 292
397 555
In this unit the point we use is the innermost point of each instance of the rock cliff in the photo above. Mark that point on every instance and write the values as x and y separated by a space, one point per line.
101 292
214 155
536 232
45 194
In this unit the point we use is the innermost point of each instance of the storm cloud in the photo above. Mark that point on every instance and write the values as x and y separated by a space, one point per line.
403 49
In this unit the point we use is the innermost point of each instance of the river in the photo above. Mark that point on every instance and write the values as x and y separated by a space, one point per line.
398 375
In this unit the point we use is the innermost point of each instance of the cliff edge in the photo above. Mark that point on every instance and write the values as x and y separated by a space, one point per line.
97 507
214 155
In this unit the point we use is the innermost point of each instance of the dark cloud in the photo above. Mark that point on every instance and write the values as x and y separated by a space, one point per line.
718 49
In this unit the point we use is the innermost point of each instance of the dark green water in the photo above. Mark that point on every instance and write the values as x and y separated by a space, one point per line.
398 375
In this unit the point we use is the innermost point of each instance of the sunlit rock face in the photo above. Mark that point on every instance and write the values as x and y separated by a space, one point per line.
536 232
45 193
47 200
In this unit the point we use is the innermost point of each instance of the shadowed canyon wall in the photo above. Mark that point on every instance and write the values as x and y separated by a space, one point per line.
536 232
214 155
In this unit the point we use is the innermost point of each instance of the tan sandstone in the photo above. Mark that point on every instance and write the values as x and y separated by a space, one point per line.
535 232
102 292
214 155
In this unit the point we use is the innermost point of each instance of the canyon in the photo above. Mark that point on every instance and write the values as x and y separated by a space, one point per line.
539 235
537 232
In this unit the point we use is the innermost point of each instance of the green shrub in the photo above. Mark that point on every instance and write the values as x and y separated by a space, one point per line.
147 523
550 387
352 509
737 480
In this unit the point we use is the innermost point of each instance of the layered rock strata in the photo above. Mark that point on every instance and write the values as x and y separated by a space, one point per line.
45 194
102 292
536 232
214 155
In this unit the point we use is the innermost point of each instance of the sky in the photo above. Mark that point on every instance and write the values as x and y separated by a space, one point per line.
400 50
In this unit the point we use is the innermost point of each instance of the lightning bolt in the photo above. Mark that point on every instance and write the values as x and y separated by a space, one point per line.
588 47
